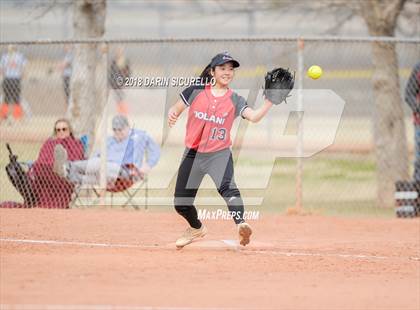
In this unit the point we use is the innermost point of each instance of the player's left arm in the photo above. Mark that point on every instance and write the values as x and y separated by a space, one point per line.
255 115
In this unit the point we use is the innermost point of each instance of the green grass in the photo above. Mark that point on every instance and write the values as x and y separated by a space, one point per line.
333 184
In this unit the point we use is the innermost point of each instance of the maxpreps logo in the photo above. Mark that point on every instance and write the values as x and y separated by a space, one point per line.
219 214
211 118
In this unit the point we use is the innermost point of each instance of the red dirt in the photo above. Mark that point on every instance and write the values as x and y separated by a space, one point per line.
305 268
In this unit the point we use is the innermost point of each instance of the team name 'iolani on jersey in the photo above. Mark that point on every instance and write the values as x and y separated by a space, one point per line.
210 118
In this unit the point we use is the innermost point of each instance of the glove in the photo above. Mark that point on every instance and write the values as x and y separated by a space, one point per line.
279 83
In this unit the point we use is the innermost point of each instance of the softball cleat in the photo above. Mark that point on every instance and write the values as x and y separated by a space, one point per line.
189 235
245 232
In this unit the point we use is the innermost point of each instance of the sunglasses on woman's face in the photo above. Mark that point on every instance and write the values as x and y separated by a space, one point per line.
63 129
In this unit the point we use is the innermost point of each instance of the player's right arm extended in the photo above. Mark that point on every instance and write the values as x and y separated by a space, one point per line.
175 111
255 115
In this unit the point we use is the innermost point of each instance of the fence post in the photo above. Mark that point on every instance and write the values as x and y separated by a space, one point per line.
102 98
299 145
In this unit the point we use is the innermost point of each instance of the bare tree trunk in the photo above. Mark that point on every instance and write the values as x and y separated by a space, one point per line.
389 133
89 22
389 129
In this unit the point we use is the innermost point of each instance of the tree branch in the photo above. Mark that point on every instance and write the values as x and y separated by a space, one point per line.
339 23
392 10
47 8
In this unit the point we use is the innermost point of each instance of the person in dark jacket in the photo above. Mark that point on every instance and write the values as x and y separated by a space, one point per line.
412 97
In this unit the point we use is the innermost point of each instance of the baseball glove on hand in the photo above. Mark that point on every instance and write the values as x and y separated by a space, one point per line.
279 83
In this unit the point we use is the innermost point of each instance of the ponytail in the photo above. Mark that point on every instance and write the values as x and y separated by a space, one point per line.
206 76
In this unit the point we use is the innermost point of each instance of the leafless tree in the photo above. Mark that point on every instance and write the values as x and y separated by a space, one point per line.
380 17
389 129
87 85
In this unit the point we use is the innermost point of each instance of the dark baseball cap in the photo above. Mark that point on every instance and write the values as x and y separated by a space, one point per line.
222 58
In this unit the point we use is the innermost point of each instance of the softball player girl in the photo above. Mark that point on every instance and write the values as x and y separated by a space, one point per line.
212 109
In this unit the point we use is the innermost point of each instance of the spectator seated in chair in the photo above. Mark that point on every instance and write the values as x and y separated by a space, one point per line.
125 152
45 188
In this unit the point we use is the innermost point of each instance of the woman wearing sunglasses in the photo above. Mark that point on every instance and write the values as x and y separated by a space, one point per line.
51 190
62 129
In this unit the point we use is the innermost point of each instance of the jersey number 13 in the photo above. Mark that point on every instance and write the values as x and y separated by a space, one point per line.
218 133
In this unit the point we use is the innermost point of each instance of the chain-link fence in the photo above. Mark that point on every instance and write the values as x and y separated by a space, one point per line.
340 175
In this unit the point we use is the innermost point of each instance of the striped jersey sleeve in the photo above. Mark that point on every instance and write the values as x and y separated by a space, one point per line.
188 94
239 103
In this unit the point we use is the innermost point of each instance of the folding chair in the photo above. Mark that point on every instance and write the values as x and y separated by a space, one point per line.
120 185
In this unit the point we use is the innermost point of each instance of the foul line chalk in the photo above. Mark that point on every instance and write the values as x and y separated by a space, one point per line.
101 307
232 244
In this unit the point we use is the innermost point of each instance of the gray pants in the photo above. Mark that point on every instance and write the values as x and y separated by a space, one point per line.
88 171
193 168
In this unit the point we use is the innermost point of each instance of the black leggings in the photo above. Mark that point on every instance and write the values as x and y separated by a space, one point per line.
11 90
194 166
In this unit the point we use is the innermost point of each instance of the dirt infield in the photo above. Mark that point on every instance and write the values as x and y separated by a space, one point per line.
108 259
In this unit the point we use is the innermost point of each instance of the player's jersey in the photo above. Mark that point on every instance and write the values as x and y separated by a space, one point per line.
210 118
